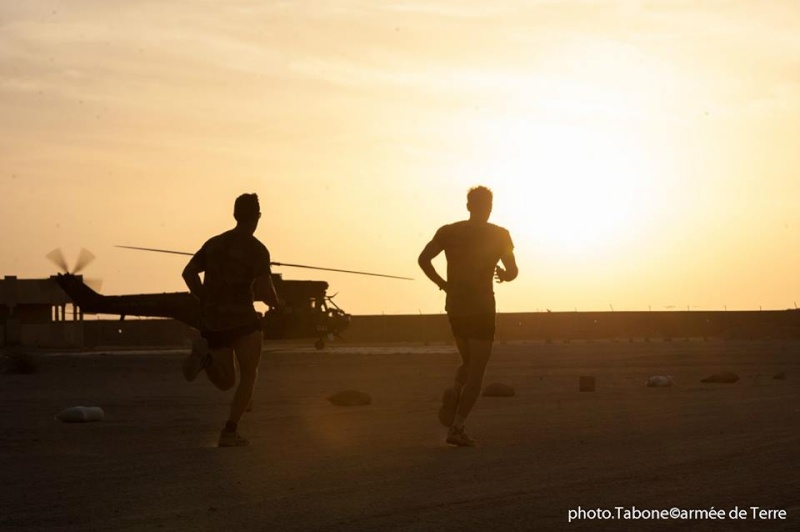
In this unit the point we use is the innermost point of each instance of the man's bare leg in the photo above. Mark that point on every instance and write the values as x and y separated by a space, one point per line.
461 373
472 373
222 371
451 396
248 355
479 353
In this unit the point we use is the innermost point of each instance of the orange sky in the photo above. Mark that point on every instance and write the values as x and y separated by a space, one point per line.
643 154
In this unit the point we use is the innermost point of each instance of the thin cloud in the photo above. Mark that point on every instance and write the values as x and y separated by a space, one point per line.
454 9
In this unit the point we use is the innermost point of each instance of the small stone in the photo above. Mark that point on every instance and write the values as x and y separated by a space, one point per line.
350 398
659 381
724 377
81 414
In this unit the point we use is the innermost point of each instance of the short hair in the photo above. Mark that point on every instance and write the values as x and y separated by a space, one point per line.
480 197
246 208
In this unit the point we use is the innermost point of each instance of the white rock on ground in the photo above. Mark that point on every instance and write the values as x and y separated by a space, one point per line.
81 414
659 381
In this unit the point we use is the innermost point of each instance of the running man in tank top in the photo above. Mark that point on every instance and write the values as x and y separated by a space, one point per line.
473 249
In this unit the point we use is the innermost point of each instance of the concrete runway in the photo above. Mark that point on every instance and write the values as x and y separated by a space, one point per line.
152 463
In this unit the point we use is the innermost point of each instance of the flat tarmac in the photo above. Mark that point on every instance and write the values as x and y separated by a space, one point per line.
551 449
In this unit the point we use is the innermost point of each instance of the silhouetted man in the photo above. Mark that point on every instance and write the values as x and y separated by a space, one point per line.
237 271
472 248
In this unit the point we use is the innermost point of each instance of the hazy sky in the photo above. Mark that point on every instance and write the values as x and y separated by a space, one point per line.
642 154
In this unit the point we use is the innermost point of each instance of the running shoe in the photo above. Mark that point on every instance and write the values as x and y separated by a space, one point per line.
232 439
459 438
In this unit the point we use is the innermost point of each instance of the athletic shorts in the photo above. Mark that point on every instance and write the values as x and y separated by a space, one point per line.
227 337
473 326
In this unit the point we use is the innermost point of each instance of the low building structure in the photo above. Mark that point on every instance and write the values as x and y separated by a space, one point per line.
37 313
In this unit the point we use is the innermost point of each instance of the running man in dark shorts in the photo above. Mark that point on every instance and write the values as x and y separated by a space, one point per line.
237 271
473 248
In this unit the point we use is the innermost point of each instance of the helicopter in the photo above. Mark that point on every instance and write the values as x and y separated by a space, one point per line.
309 312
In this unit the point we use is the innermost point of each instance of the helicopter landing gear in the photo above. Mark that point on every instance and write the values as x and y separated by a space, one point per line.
320 344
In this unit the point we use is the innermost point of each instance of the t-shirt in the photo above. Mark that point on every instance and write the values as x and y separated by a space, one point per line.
231 262
472 250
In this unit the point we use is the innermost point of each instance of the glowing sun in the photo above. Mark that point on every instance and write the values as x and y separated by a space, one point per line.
569 189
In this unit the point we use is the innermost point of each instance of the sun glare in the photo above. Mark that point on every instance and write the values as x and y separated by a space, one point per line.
570 159
569 189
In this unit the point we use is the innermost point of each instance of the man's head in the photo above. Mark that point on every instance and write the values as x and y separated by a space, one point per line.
247 211
479 203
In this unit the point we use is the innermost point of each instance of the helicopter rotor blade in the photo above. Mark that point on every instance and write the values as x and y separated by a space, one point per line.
57 257
84 259
157 250
94 284
340 271
285 264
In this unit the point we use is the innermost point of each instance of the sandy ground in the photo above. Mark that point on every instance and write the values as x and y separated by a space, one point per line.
314 466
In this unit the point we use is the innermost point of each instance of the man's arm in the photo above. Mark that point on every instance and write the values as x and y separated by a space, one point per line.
425 262
264 290
510 272
191 276
263 287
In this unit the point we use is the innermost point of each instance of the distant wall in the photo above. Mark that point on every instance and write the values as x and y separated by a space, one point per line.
586 325
137 333
63 334
400 328
435 328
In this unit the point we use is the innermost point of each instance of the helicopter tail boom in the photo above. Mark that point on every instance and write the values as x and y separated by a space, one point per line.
179 305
